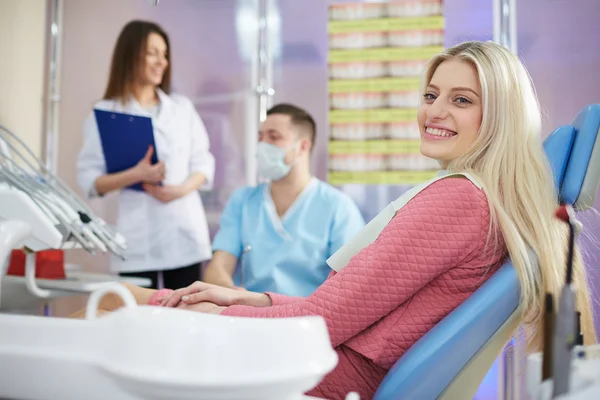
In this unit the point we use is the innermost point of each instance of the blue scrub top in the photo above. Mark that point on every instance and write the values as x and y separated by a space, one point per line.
286 255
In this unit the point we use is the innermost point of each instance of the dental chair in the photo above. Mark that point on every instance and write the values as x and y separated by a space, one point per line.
452 359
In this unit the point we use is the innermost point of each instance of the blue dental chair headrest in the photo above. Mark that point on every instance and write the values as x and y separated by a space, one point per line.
574 154
448 352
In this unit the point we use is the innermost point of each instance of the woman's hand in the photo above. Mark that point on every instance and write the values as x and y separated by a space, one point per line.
199 292
204 307
166 193
146 172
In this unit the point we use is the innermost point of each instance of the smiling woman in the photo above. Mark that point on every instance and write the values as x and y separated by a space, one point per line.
165 224
450 114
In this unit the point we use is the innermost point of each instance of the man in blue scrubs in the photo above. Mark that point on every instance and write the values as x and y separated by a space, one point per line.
277 236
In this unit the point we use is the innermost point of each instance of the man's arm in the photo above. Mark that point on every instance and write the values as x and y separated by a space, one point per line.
227 243
220 269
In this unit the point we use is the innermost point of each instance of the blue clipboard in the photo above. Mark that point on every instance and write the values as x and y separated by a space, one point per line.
125 140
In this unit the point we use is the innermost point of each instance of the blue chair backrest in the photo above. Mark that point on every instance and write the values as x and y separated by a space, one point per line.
574 154
431 364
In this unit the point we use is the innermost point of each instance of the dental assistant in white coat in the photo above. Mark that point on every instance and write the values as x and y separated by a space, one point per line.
165 225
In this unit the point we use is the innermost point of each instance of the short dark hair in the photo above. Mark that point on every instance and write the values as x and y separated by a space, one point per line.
127 57
299 117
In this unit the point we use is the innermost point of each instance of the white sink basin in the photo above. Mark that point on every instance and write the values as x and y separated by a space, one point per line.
162 353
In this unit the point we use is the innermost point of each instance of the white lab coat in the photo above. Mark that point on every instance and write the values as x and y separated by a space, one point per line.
160 236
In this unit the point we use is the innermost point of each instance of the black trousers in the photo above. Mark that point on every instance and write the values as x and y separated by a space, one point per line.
172 279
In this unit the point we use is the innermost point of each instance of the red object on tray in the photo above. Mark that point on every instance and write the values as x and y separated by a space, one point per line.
49 264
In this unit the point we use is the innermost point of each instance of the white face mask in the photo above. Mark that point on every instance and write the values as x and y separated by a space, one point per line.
271 161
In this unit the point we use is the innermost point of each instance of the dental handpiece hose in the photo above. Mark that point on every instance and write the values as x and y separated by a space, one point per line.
564 337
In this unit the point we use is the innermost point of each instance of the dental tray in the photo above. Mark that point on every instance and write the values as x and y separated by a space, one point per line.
77 281
143 352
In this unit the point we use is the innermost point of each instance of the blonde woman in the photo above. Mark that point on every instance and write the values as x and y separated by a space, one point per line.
425 254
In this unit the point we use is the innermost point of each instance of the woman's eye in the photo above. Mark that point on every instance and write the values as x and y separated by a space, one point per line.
429 97
463 100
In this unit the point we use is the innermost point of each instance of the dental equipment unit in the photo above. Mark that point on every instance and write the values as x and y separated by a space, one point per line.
69 222
39 212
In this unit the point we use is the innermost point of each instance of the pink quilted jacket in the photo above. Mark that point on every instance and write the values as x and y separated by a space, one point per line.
431 256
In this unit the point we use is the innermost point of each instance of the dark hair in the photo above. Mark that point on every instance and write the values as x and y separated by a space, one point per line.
127 58
299 117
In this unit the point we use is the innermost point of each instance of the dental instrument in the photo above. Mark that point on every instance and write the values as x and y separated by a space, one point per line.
564 336
54 216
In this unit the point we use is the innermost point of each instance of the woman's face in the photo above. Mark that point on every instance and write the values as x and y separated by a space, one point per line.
155 61
451 113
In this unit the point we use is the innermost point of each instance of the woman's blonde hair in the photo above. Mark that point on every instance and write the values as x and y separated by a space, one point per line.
508 159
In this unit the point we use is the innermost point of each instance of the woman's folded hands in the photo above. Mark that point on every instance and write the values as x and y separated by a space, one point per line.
208 298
